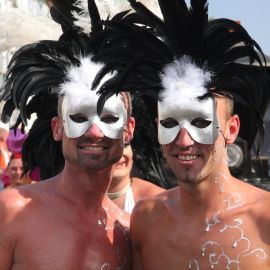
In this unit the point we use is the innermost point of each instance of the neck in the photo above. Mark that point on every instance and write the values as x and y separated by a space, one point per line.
118 187
84 187
209 195
119 183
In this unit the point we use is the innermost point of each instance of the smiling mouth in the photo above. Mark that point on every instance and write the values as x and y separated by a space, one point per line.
187 157
93 148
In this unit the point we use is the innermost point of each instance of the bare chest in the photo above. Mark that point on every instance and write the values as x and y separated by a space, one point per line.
231 243
51 240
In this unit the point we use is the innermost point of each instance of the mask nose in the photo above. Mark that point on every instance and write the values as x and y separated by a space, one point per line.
94 132
184 139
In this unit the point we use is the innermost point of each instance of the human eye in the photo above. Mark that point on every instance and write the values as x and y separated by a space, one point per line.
169 123
109 119
78 118
201 123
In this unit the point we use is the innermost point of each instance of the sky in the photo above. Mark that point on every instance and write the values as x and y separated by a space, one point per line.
254 15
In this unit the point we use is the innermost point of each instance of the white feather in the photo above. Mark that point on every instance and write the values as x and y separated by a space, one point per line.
183 80
80 78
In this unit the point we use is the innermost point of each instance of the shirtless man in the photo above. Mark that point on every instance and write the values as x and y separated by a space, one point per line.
211 220
66 222
83 229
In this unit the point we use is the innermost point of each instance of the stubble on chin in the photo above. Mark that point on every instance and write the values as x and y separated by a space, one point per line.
91 162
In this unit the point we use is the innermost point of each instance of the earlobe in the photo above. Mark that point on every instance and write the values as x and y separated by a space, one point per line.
233 129
57 128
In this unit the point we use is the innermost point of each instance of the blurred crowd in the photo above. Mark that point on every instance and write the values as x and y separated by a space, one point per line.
11 167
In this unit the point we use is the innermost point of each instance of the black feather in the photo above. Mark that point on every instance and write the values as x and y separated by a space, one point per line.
216 45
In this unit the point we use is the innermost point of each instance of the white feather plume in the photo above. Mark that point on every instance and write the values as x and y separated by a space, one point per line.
183 80
80 79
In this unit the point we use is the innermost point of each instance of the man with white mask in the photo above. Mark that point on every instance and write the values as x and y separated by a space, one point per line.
188 71
67 221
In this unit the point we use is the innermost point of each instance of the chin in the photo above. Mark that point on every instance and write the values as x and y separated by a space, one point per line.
189 178
118 175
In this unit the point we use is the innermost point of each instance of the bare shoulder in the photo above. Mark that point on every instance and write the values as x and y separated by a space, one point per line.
16 206
150 209
257 201
143 188
14 200
11 201
147 215
260 203
12 204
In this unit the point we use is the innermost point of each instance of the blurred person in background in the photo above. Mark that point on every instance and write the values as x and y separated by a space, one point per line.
12 174
125 190
14 170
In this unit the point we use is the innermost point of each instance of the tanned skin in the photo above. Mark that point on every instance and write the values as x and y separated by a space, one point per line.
67 222
211 220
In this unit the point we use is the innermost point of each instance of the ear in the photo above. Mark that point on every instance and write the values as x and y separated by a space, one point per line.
232 128
57 128
129 130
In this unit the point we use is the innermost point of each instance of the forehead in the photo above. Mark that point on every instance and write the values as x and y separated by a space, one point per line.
16 162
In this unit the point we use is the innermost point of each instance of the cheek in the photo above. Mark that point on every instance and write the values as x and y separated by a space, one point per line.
68 145
129 162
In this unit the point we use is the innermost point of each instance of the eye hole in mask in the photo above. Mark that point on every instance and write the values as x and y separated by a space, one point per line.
78 118
201 123
109 119
169 123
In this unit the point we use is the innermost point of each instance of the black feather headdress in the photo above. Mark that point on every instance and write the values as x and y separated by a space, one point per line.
34 75
215 47
37 70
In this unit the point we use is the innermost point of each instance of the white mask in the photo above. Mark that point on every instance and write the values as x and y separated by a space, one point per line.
197 117
111 121
178 107
80 99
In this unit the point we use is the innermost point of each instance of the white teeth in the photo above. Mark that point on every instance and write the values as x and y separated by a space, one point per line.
187 157
92 148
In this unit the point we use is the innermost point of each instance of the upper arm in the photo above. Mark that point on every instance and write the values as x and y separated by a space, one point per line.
7 234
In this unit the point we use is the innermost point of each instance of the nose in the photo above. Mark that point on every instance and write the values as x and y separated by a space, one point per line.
183 139
94 132
19 172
